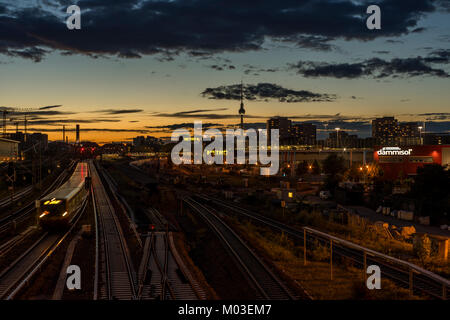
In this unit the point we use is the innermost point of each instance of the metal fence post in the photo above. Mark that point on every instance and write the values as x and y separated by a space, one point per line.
411 288
365 266
304 246
331 259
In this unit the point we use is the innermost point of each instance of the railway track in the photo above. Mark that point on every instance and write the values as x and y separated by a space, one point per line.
10 244
162 274
422 281
265 283
23 213
19 273
158 221
113 258
7 200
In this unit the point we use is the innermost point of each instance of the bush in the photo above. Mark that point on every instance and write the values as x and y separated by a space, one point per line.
320 252
422 248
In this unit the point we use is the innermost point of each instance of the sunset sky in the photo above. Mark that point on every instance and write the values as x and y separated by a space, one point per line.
146 67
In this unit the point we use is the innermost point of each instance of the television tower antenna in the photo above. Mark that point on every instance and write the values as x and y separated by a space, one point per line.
241 109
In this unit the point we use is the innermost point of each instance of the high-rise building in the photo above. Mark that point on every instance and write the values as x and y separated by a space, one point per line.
409 133
304 134
284 125
385 130
78 134
436 138
139 141
388 131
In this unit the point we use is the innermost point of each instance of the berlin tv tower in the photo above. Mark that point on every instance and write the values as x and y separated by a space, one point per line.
241 109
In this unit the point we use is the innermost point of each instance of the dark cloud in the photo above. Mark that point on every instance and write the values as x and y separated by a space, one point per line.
318 43
190 112
129 55
90 130
41 121
222 67
12 111
255 70
265 92
50 107
392 41
439 56
33 53
444 5
419 30
331 117
119 111
376 67
381 52
199 114
444 38
130 29
171 127
340 70
2 9
436 116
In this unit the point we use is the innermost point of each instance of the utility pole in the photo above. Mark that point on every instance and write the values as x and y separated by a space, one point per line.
40 165
5 112
11 176
25 131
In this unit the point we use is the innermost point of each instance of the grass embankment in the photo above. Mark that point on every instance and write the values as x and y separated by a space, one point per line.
363 233
285 255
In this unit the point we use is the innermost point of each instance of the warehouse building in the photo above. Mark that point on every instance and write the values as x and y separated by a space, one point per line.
401 162
9 150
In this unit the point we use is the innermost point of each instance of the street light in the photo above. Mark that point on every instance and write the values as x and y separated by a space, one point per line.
337 136
420 134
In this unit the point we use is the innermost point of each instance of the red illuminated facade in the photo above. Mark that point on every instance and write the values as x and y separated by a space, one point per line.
401 162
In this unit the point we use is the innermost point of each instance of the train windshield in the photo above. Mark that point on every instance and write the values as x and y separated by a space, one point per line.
52 207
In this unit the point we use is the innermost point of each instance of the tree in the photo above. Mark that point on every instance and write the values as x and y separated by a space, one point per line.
431 190
316 167
355 173
334 167
302 168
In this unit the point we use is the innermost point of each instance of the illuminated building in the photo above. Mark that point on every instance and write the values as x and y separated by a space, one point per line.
9 150
304 134
384 130
401 162
284 125
388 131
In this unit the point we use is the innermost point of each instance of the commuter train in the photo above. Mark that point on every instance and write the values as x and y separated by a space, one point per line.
58 209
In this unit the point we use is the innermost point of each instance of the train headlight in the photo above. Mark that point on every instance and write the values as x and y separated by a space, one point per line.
44 214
